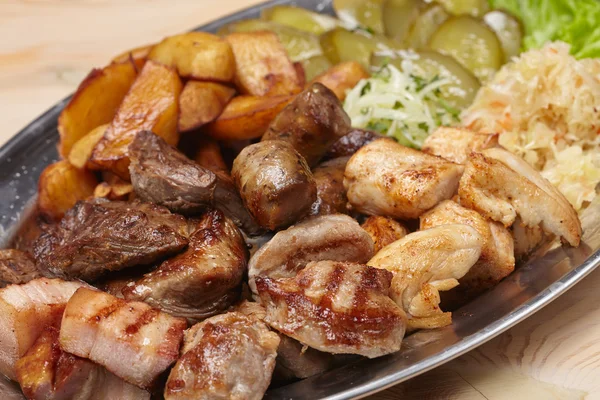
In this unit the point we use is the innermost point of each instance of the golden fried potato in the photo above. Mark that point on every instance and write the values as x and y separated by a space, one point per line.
247 117
262 65
82 149
201 103
94 103
138 55
197 55
342 77
151 104
113 187
209 155
61 185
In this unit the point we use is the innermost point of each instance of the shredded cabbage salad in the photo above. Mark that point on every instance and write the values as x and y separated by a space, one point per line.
400 104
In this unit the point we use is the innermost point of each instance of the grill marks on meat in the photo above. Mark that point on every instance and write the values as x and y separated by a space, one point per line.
501 186
425 263
132 340
311 123
336 307
335 237
331 195
99 236
455 144
228 356
275 183
202 281
386 178
16 267
46 372
25 310
163 175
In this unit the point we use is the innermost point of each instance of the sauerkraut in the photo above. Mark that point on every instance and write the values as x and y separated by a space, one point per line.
546 107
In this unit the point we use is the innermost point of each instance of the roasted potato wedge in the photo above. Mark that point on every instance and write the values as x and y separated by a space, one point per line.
138 55
262 65
60 186
196 55
247 117
151 104
301 19
83 148
94 103
342 77
113 187
201 103
209 155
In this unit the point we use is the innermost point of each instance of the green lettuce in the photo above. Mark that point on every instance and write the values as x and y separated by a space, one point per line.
576 22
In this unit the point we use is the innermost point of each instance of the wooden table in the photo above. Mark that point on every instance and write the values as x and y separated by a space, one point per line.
48 46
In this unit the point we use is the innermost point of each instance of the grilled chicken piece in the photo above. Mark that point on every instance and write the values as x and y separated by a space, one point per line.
501 186
311 123
275 183
202 281
455 144
16 267
331 195
497 258
351 142
383 231
95 237
25 310
335 237
46 372
526 238
336 307
132 340
163 175
425 263
228 356
386 178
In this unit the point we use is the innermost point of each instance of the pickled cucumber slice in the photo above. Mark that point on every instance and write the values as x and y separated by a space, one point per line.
472 43
365 13
509 30
315 66
476 8
427 22
300 18
399 16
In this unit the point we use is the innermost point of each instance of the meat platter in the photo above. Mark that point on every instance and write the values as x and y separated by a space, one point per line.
535 283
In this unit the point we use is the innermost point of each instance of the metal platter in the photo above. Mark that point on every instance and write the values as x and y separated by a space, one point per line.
529 288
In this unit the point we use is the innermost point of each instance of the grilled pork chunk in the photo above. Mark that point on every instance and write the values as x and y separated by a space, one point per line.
331 195
455 144
426 262
163 175
95 237
351 142
501 186
275 183
497 258
336 307
132 340
228 356
16 267
311 123
202 281
334 237
386 178
383 231
46 372
25 310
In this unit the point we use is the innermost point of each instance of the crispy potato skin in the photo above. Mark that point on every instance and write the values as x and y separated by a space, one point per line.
262 65
137 55
342 77
151 104
201 103
247 117
60 186
83 148
209 155
113 187
94 103
197 55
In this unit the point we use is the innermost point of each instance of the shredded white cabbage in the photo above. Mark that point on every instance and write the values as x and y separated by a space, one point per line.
546 107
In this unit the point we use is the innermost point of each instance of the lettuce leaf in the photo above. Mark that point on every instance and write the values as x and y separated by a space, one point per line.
576 22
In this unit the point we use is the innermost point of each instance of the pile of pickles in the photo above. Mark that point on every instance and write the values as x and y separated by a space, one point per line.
463 39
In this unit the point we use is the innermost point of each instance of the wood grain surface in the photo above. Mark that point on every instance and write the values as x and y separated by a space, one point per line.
48 46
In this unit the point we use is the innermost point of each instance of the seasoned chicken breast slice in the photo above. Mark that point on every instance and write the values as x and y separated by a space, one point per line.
501 186
335 237
455 144
383 231
229 356
335 307
497 258
426 262
386 178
